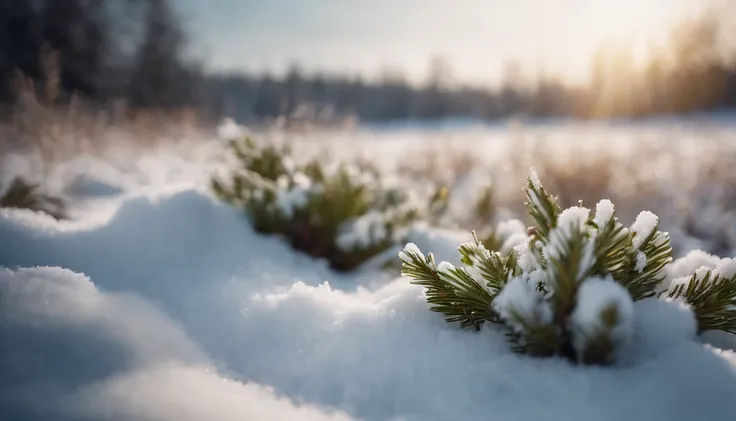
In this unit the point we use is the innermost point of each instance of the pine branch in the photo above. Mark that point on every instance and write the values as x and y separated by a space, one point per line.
543 208
642 280
611 244
495 268
658 254
569 260
572 292
537 340
315 208
450 291
712 299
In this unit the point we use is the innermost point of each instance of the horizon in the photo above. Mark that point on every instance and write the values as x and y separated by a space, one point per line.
478 41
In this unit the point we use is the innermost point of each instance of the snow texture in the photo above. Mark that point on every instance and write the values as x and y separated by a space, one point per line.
686 265
230 130
534 177
570 221
573 218
726 268
527 260
641 262
642 228
446 268
409 250
162 304
290 198
519 304
604 211
364 231
511 233
596 296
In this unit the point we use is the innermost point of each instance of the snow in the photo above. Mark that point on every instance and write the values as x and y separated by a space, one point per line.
573 218
698 276
514 240
645 223
685 266
726 268
511 233
534 177
292 198
159 303
510 227
364 231
409 250
527 261
595 296
603 212
445 268
114 356
641 262
443 243
519 304
230 130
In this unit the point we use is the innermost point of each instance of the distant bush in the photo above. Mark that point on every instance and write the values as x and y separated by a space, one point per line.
569 288
343 213
21 194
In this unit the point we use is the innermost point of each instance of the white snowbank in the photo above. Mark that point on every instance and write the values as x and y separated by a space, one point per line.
193 316
71 351
376 355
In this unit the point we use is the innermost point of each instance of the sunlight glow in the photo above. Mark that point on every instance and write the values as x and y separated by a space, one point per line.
627 20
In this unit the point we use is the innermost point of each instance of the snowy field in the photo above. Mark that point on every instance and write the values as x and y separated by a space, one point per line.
156 302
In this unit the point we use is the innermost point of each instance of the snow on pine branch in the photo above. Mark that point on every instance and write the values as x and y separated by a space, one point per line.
340 212
569 288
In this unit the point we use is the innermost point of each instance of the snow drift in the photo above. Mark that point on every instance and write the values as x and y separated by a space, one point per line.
71 351
184 313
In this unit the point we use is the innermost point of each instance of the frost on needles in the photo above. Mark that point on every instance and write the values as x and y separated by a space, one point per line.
570 288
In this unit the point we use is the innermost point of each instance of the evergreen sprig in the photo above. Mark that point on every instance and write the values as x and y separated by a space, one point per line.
712 298
313 206
450 290
542 207
569 289
642 282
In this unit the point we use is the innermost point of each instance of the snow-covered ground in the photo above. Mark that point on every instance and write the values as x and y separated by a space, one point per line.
158 303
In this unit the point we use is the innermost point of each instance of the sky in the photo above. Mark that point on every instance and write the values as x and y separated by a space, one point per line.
476 37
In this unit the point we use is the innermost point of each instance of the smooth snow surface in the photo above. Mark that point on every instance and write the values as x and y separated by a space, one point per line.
162 304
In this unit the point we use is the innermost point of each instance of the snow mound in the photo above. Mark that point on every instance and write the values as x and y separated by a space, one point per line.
182 393
180 236
194 316
71 351
380 355
375 355
88 186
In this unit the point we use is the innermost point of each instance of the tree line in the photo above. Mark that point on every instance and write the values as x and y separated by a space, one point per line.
694 71
136 51
101 50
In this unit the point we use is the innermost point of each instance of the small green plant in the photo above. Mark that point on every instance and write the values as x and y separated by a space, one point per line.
21 194
345 214
570 288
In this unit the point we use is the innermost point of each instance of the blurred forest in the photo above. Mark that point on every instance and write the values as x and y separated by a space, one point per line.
100 51
131 55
